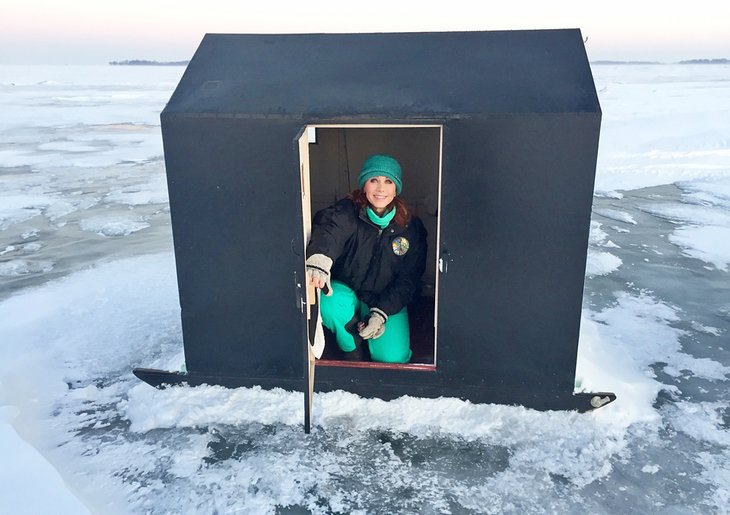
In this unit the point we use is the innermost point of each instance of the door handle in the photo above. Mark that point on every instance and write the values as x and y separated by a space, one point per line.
444 261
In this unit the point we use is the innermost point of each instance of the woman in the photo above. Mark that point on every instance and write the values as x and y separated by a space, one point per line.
367 254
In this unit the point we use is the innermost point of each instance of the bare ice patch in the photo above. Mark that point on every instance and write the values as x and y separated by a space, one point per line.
18 207
152 192
16 267
615 214
688 214
113 225
22 248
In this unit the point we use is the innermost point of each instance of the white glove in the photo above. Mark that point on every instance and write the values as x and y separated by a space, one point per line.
318 271
375 326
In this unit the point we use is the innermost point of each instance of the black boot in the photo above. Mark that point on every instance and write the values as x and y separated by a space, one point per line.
358 354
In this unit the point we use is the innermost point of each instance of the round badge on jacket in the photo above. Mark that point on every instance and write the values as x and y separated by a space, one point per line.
400 246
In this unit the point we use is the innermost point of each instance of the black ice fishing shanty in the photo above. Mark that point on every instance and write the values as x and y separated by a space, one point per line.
497 134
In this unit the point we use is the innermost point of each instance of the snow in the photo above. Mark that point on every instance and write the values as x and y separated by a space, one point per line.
18 208
29 483
113 225
701 421
80 157
22 248
614 355
22 267
716 192
705 329
710 244
660 129
613 214
650 469
688 213
99 322
704 230
153 192
600 262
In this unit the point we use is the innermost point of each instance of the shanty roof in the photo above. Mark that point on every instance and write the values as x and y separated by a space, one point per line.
387 75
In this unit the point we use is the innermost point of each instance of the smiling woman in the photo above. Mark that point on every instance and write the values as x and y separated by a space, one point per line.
368 253
380 192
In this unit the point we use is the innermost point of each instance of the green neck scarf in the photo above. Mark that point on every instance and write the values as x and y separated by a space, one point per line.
380 221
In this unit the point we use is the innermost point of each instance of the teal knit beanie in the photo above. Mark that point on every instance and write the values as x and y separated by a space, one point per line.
386 166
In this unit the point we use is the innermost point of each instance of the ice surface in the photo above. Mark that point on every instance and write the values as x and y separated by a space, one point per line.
100 322
714 192
705 329
659 129
702 421
80 154
614 214
704 219
18 208
153 192
82 335
600 262
79 148
708 243
113 225
24 266
29 483
687 213
597 236
22 248
650 469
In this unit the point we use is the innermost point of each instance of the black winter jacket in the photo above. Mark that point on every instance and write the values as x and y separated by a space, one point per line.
384 268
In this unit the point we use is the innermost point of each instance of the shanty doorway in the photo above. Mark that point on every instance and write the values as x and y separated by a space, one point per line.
331 157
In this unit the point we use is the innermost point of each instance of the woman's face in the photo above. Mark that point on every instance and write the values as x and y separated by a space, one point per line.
380 192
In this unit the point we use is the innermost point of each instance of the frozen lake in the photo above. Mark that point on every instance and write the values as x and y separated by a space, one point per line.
88 291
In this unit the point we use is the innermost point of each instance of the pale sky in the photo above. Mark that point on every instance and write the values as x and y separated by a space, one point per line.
98 31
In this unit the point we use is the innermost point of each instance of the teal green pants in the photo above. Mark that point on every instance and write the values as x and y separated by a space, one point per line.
394 346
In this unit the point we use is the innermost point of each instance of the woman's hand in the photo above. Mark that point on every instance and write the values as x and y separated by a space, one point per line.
375 326
318 272
316 281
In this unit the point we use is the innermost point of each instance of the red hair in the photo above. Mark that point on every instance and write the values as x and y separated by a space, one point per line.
402 211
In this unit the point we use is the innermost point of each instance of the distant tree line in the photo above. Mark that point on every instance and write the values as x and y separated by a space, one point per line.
706 61
142 62
689 61
625 62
